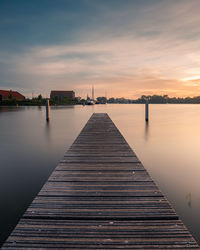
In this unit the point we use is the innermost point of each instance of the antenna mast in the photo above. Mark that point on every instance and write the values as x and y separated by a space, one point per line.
92 92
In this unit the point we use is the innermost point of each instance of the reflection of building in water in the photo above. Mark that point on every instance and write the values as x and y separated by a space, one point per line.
189 199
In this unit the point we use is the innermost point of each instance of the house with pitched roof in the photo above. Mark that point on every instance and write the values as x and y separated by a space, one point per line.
9 94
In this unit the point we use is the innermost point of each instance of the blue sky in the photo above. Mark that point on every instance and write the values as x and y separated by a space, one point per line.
124 47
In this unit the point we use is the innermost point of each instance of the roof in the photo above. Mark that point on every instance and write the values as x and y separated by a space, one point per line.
61 91
6 93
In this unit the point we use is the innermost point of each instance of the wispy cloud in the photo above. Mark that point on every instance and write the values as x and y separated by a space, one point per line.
130 50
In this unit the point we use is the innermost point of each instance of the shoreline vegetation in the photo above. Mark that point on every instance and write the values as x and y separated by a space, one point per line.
154 99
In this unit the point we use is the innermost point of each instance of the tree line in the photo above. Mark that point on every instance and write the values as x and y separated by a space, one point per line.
157 99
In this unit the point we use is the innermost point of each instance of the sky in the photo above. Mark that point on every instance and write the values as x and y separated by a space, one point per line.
124 48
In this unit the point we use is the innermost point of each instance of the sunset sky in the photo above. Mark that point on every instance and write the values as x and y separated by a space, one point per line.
126 48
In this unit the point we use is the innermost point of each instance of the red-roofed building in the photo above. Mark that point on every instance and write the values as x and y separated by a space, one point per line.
9 94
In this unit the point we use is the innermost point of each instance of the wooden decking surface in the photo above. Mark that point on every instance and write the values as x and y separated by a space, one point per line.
100 197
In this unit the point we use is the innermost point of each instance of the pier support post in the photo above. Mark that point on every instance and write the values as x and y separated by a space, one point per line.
47 110
147 111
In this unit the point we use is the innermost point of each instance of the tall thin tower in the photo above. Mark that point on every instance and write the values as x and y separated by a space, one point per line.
92 92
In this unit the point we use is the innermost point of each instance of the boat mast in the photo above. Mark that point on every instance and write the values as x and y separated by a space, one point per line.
92 92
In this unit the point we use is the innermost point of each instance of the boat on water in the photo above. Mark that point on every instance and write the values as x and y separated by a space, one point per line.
89 102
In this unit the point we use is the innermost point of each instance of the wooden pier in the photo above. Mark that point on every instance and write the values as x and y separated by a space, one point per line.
100 197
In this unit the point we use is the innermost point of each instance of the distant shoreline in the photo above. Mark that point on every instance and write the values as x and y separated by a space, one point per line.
43 105
154 99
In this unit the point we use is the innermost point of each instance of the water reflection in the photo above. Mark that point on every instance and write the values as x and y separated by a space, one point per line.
146 131
189 199
168 145
10 109
48 131
62 107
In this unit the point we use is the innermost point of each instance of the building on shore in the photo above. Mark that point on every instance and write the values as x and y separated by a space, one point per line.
60 94
9 95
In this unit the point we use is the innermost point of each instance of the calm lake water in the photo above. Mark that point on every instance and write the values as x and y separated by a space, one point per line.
169 148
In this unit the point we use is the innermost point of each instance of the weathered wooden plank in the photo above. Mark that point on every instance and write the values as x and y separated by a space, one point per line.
100 197
96 159
62 185
100 167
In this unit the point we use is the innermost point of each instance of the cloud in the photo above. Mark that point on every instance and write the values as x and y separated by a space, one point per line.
130 50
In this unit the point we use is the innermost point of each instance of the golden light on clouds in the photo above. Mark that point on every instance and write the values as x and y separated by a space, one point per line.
128 50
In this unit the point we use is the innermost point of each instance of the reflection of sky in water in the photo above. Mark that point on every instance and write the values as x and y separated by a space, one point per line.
168 146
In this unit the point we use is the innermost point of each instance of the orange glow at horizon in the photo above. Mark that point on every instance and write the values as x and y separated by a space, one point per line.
125 54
